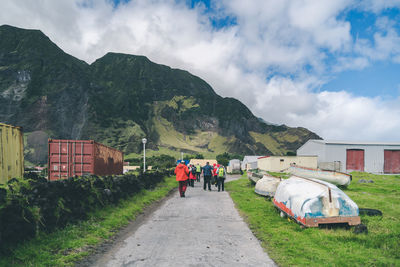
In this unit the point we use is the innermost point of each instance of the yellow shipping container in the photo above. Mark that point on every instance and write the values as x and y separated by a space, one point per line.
11 152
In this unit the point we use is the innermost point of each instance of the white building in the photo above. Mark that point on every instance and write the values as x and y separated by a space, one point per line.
282 163
233 166
346 156
249 162
130 168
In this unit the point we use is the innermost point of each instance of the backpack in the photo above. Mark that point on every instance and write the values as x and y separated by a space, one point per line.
221 172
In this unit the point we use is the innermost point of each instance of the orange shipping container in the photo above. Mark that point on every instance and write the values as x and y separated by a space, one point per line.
68 158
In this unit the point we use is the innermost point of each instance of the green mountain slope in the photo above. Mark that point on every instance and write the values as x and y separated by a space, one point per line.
121 98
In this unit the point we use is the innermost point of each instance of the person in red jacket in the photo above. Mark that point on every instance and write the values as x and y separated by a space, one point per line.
214 179
192 175
182 172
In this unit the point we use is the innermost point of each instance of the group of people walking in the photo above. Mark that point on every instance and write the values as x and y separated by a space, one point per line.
185 175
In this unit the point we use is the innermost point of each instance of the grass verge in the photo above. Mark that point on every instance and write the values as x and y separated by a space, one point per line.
290 245
65 247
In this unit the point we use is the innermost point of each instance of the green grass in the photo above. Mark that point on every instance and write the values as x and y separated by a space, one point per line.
290 245
269 142
66 246
283 175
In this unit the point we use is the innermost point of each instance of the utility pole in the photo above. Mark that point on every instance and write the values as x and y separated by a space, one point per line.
144 141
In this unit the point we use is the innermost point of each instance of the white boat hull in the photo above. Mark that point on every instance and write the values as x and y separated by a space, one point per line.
336 178
267 185
312 202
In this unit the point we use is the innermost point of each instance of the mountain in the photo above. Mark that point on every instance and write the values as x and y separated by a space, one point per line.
119 99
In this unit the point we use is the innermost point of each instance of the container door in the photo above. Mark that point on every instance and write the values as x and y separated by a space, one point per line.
58 160
355 160
81 153
69 158
392 161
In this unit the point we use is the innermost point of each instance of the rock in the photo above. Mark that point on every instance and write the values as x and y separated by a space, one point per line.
107 191
361 181
360 229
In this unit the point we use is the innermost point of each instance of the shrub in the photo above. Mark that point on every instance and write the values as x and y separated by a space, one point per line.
33 204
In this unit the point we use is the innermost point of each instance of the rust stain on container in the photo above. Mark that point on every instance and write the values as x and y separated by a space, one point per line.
11 152
69 158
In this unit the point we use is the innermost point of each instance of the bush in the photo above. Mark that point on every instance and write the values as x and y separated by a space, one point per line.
33 204
226 157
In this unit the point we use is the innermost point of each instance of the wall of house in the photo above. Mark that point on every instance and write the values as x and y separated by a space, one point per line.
278 164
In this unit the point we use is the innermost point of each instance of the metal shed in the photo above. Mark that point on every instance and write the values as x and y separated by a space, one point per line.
233 166
249 162
347 156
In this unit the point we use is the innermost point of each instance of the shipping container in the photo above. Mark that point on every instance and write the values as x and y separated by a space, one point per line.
69 158
11 152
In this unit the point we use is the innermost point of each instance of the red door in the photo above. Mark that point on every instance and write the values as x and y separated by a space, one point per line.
392 161
355 160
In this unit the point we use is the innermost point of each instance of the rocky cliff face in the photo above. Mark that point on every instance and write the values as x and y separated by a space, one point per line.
121 98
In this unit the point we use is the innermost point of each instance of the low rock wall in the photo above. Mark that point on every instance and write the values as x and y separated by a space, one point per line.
33 204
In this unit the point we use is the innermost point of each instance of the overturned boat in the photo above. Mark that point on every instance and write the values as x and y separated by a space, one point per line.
312 202
254 176
267 185
336 178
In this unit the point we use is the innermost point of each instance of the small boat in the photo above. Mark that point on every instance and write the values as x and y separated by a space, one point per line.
267 185
254 177
336 178
312 202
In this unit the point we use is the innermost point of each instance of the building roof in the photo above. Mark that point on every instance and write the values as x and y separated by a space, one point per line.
250 158
332 142
291 157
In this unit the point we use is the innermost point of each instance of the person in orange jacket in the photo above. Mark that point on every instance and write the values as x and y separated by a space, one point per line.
182 172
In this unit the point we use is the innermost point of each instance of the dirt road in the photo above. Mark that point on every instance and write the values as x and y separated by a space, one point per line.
203 229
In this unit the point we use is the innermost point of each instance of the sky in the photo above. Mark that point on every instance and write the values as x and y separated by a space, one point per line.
332 67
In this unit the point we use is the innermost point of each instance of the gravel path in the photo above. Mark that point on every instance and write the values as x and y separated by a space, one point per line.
203 229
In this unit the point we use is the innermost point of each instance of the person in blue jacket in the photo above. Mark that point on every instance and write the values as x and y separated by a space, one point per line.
207 173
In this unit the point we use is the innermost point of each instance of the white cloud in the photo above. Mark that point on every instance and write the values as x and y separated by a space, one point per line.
333 115
350 63
288 41
378 5
385 44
